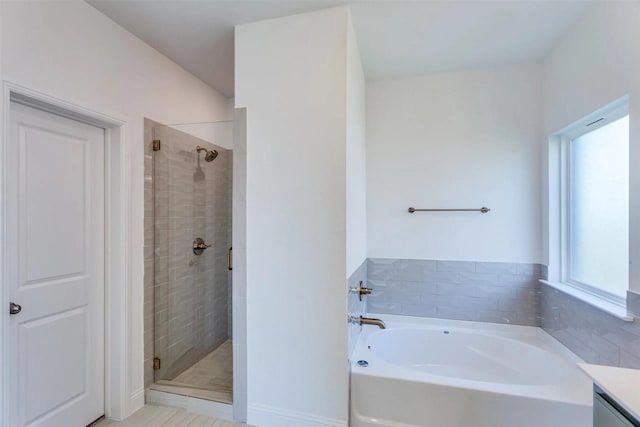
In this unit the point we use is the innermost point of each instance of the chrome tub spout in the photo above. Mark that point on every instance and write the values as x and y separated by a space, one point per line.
370 321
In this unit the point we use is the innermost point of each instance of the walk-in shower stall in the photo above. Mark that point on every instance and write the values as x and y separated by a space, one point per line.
188 347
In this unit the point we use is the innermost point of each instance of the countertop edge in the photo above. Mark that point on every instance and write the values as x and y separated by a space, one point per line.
621 384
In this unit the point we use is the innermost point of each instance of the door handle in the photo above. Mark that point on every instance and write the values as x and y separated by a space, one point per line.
229 266
14 308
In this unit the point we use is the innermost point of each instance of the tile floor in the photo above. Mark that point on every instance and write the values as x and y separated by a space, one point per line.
211 378
160 416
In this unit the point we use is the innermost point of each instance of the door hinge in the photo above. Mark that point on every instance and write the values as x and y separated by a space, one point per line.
156 363
156 145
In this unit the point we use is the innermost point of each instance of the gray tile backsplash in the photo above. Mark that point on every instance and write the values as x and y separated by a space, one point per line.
501 293
396 269
461 290
594 335
356 307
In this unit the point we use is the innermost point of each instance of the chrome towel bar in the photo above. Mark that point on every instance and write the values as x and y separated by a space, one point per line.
482 209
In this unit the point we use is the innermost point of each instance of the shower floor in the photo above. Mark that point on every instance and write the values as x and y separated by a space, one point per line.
211 378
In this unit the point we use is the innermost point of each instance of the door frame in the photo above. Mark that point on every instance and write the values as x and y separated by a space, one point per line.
117 225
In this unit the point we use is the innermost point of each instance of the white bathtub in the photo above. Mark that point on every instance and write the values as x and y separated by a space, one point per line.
447 373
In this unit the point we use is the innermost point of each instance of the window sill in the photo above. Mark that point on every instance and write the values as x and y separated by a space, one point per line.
608 307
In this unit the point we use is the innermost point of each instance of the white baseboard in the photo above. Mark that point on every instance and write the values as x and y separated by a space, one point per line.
268 416
191 404
136 401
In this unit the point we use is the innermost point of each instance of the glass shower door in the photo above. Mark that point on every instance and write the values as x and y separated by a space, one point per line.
192 215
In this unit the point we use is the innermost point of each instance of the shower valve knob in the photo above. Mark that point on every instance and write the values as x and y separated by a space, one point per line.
199 246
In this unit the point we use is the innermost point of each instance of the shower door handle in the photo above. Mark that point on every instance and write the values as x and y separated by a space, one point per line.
229 266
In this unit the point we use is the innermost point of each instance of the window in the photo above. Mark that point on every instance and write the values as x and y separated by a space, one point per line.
595 206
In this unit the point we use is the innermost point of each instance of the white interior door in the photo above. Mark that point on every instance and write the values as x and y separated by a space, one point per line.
55 266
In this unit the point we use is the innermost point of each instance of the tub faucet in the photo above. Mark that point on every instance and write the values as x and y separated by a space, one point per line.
370 321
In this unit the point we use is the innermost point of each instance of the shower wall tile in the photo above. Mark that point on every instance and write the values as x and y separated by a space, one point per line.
461 290
356 308
595 336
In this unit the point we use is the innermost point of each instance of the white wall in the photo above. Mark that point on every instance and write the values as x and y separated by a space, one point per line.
218 133
291 75
455 140
597 63
70 51
356 157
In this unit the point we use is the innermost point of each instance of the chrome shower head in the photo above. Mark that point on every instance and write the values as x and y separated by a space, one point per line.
210 155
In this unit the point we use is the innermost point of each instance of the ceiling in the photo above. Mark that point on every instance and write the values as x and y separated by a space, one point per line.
396 37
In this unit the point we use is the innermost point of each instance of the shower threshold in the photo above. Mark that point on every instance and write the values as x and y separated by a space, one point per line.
211 378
